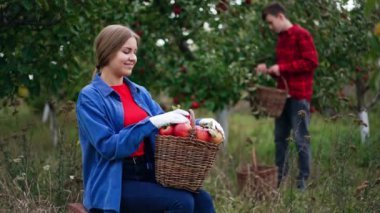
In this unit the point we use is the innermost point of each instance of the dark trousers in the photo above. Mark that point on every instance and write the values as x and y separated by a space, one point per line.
141 193
296 117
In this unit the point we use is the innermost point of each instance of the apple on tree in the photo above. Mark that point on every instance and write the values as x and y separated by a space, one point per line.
23 91
195 105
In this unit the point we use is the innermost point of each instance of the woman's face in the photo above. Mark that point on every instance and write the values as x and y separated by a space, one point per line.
125 59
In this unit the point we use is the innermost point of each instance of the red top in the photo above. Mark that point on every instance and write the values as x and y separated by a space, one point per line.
132 112
297 59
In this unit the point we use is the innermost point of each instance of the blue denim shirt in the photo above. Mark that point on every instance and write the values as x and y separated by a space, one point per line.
105 141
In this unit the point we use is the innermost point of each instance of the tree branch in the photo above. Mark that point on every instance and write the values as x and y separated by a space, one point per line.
29 22
374 100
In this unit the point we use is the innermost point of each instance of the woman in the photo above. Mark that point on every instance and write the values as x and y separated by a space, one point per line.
118 121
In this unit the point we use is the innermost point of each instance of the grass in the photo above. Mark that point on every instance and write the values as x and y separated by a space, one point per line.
37 176
341 166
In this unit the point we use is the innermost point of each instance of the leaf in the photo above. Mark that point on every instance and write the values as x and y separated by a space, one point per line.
27 4
43 4
369 6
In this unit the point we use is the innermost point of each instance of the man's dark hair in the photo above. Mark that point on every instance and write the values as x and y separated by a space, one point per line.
273 9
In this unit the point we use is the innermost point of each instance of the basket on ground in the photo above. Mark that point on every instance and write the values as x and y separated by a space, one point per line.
257 181
183 162
272 100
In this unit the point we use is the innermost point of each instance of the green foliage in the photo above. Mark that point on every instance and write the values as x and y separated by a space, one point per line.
195 64
55 58
370 6
207 56
43 42
372 11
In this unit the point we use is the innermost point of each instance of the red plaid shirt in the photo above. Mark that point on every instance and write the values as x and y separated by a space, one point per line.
297 59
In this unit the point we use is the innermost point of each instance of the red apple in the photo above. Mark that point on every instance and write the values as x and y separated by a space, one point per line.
176 100
176 9
182 130
358 69
140 33
222 6
166 130
194 105
202 134
216 136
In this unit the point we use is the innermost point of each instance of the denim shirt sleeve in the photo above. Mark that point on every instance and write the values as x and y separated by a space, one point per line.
154 107
95 124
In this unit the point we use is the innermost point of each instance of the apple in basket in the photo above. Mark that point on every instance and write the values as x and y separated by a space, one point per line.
202 134
216 136
166 130
182 130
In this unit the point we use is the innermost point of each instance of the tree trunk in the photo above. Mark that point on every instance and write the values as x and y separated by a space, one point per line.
49 113
361 89
364 126
360 92
222 118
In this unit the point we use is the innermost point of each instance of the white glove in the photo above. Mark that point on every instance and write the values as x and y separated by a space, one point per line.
172 117
212 124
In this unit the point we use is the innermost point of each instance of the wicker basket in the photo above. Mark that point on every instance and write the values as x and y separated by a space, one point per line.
272 100
183 163
258 181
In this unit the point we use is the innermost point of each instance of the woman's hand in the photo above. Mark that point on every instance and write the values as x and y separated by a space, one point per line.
172 117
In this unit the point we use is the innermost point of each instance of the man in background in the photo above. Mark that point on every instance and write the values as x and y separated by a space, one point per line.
296 60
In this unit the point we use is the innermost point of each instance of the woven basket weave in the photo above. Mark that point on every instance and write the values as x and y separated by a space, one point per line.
183 162
272 100
257 181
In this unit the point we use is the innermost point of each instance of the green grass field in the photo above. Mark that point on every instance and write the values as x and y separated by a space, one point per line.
37 176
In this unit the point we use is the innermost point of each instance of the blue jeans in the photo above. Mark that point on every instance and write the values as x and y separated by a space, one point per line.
141 193
296 117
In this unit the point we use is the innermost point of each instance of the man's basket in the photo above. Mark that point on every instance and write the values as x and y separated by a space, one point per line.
257 181
272 100
183 162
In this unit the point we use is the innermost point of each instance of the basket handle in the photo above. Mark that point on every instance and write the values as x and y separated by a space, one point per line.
285 83
192 118
254 159
192 123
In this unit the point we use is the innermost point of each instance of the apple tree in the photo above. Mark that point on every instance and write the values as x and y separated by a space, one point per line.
344 39
46 52
200 53
193 50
